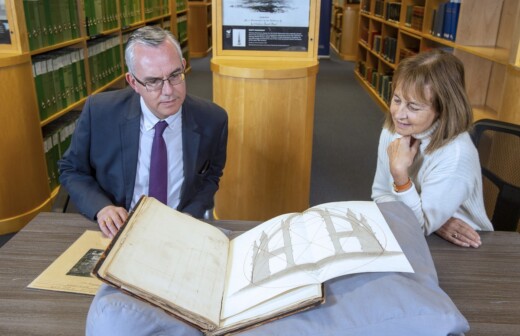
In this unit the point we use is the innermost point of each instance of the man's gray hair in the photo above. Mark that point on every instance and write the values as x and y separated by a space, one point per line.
151 36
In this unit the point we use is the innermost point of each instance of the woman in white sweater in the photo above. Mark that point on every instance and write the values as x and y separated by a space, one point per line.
426 158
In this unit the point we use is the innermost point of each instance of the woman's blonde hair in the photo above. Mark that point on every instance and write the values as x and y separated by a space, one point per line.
439 76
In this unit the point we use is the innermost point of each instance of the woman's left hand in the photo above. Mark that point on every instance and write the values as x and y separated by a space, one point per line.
459 233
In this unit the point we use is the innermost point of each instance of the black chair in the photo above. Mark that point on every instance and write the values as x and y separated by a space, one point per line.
62 202
498 145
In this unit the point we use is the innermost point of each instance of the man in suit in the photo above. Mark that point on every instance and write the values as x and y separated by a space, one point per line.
107 166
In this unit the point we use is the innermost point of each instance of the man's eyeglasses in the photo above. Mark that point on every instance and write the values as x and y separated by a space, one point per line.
158 83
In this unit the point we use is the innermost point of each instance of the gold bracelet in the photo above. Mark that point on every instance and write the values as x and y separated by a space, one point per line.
403 187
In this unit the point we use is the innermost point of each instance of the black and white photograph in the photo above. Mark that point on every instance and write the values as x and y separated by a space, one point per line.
86 264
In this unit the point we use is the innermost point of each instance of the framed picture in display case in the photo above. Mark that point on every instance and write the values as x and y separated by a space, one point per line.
5 34
10 36
266 28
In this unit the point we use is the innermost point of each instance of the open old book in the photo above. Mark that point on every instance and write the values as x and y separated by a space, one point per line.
192 270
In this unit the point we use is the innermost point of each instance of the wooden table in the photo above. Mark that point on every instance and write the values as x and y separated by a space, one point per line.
484 283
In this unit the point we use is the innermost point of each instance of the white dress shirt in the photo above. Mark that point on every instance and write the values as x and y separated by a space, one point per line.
173 138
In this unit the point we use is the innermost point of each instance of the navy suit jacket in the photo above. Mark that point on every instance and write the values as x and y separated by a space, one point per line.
99 168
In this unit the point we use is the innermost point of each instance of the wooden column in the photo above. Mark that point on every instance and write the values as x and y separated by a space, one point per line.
271 114
24 189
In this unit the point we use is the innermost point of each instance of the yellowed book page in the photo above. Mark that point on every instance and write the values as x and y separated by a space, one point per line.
294 250
173 256
71 271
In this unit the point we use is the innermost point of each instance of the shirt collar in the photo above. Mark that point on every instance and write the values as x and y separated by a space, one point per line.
149 119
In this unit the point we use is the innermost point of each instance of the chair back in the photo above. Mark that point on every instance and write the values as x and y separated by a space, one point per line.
498 145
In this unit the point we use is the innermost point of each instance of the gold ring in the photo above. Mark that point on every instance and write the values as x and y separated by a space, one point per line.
455 235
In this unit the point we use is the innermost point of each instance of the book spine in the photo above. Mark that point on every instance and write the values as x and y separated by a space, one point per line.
47 148
38 66
454 20
446 25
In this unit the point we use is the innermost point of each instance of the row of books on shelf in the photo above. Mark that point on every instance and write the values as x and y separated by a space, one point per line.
337 18
365 6
414 17
445 20
182 28
130 12
156 8
386 46
50 22
392 11
380 82
181 5
100 16
56 140
104 60
335 38
60 80
379 8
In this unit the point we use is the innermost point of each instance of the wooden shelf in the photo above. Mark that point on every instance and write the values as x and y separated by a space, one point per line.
489 50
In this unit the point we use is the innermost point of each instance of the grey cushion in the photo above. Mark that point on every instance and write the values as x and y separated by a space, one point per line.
360 304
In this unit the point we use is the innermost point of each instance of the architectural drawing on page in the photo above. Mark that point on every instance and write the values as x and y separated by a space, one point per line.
330 237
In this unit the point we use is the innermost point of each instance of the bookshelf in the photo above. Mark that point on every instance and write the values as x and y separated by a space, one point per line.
182 29
199 28
344 28
486 40
60 52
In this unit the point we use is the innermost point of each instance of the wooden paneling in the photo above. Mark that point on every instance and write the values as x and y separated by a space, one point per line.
271 112
24 189
199 28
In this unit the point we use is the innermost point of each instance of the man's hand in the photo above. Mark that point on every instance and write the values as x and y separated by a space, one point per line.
110 219
459 233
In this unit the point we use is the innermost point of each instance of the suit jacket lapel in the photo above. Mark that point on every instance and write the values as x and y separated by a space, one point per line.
190 145
129 131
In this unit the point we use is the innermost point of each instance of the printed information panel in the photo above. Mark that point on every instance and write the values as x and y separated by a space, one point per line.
265 25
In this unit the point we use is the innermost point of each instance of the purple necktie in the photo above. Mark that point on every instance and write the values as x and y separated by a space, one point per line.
159 165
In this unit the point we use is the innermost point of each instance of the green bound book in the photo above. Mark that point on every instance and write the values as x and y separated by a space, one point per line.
53 15
74 19
32 19
44 26
59 84
68 77
47 148
81 70
38 69
98 17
